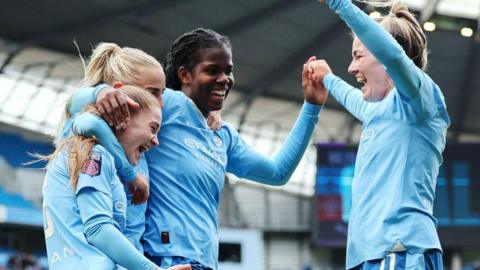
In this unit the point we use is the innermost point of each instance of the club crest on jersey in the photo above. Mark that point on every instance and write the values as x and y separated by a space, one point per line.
218 142
93 166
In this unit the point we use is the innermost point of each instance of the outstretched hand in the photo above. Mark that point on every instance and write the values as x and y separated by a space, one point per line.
313 90
113 106
139 189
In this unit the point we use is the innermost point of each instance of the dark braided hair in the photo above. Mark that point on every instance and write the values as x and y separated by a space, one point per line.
186 51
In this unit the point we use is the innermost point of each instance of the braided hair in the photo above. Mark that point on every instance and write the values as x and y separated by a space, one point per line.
186 51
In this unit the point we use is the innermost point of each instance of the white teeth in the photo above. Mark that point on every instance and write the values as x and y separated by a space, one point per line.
143 148
219 92
361 80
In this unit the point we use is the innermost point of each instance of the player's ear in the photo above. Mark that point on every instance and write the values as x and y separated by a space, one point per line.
184 75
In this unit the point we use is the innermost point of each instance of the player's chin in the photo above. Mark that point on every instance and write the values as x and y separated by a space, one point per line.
215 106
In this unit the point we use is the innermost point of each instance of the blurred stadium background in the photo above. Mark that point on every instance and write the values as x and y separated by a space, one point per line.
299 226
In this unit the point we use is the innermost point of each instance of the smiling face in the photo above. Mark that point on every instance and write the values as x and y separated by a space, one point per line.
210 80
141 133
369 72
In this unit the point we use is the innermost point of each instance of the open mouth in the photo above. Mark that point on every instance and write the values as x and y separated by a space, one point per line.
143 148
219 93
362 80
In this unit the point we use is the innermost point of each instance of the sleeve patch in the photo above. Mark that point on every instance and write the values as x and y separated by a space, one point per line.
93 166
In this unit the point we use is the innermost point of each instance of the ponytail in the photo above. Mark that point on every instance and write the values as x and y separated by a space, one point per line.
406 30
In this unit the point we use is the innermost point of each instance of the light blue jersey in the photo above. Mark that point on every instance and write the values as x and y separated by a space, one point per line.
400 151
429 260
135 213
75 105
187 172
74 219
79 99
67 246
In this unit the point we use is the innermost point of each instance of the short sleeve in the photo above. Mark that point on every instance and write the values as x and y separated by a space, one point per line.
97 172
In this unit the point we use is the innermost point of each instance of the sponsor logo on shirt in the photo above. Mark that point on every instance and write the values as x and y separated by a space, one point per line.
212 156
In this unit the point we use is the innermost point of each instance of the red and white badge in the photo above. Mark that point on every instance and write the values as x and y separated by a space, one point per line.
93 166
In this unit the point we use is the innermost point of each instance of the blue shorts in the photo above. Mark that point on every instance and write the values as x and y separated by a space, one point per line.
430 260
169 261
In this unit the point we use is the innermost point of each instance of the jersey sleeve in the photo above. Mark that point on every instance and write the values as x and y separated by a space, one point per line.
350 97
245 162
82 97
413 85
96 210
96 172
75 103
90 125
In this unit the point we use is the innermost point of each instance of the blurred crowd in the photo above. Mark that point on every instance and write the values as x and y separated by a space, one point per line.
22 261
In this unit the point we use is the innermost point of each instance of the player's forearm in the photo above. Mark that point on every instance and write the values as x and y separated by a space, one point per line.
83 97
277 171
347 95
115 245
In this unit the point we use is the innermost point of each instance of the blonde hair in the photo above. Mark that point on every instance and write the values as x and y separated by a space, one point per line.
406 30
110 63
80 148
